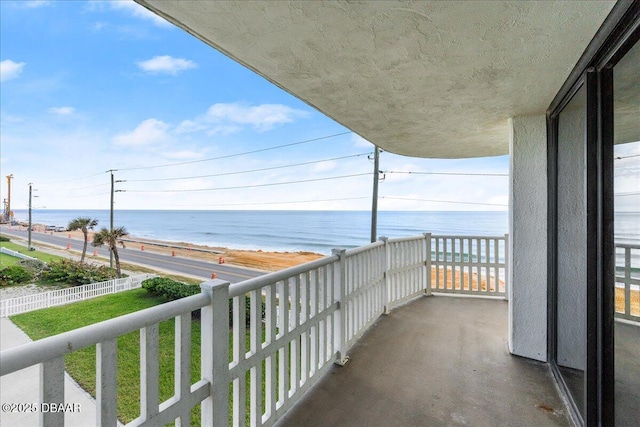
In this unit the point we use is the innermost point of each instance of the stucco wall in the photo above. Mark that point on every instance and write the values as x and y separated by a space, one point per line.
528 237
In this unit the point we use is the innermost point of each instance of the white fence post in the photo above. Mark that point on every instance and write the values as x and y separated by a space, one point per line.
385 286
427 263
506 267
340 318
214 366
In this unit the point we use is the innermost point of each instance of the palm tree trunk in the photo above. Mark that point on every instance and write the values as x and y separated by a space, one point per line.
116 258
84 248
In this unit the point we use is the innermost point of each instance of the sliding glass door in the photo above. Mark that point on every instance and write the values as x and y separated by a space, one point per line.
594 228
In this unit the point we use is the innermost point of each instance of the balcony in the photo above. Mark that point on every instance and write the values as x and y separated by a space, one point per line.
415 355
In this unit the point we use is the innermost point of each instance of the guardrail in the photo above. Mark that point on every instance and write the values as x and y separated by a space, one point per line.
313 314
627 293
472 265
23 304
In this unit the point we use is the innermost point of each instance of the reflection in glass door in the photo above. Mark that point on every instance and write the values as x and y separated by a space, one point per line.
571 248
626 119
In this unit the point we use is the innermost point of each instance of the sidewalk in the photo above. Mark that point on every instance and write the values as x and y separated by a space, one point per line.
23 387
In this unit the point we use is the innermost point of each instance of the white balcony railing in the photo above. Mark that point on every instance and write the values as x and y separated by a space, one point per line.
627 291
313 315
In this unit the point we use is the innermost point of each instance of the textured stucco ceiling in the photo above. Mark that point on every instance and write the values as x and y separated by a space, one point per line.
427 79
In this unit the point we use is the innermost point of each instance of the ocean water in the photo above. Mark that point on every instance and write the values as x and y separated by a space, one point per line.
316 231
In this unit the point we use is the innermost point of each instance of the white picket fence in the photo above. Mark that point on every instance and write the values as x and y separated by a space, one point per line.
9 307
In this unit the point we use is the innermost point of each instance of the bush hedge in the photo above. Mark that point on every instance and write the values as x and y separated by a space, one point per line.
14 274
173 290
77 273
4 238
169 288
35 267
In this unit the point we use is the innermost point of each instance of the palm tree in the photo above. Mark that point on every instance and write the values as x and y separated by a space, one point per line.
110 238
84 224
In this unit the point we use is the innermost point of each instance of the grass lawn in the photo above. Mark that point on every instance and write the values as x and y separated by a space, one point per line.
7 260
81 364
42 256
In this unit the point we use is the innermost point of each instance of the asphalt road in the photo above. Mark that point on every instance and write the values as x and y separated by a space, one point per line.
177 265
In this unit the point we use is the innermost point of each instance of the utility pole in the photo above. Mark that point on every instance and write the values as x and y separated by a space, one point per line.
111 218
113 190
8 214
29 232
374 204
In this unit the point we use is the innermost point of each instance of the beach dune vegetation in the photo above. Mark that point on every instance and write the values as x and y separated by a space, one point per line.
111 239
75 273
83 224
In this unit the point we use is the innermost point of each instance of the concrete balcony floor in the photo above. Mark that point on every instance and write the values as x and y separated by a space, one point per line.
437 361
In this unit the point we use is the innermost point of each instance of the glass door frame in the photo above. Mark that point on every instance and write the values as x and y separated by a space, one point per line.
619 32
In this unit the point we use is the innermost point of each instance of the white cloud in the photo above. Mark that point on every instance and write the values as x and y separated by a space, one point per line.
166 64
329 165
32 4
62 111
183 155
229 118
138 11
359 141
10 70
149 132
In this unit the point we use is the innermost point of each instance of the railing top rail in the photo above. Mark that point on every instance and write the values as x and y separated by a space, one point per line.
355 251
249 285
36 352
459 236
627 245
405 239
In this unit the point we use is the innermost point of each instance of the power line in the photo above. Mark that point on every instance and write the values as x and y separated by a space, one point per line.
626 157
448 173
443 201
248 171
72 189
76 179
635 193
250 186
277 203
237 154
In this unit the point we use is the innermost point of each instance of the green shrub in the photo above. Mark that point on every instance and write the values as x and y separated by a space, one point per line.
77 273
173 290
35 267
4 238
14 275
169 288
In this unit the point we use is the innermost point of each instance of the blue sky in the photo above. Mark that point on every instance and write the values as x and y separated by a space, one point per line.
92 86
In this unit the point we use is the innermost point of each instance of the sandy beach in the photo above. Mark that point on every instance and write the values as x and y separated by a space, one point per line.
261 260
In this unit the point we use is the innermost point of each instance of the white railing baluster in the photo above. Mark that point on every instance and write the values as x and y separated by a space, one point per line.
214 365
149 372
255 375
52 391
106 383
339 334
182 366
